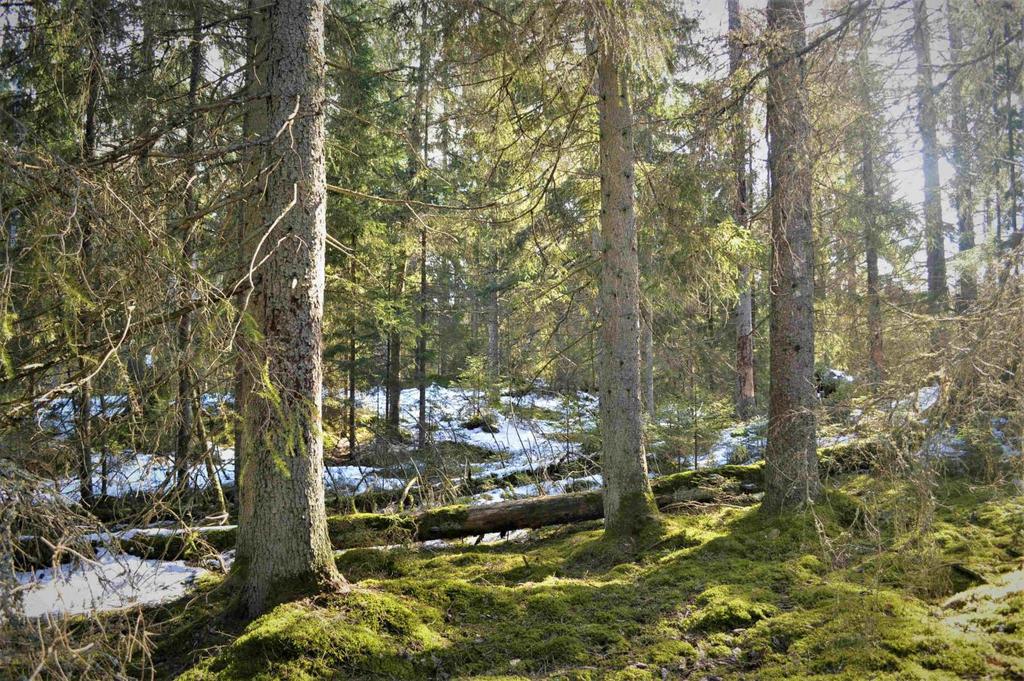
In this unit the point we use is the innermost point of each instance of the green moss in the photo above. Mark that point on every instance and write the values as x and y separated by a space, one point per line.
183 546
444 522
372 563
360 635
669 652
723 608
633 674
369 529
835 592
752 475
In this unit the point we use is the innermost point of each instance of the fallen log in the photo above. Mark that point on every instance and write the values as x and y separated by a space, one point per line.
454 522
358 530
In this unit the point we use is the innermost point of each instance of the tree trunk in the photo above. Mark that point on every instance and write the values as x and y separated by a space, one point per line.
248 223
419 156
352 440
84 423
744 397
791 466
1011 146
453 522
184 333
963 192
493 316
211 470
926 122
628 505
875 355
421 344
393 382
647 356
283 547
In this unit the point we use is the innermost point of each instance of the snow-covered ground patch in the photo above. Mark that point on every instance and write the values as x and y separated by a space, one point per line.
927 397
542 488
131 472
524 444
110 582
359 479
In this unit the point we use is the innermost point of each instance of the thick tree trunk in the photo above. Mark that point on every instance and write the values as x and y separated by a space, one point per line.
628 504
963 191
744 397
283 547
183 339
876 357
790 458
926 121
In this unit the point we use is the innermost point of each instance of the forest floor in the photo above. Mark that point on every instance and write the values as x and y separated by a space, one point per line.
915 572
883 579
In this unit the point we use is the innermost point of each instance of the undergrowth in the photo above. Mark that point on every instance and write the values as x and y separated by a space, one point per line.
853 589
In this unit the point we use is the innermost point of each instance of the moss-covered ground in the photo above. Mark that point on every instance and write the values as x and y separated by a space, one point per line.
858 588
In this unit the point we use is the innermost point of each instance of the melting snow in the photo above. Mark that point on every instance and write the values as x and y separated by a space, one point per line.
108 583
927 397
543 488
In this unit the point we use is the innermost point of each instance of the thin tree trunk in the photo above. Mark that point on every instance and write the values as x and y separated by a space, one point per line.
393 384
421 343
283 547
352 440
493 315
791 465
876 357
211 470
1011 145
963 192
744 396
647 356
84 422
926 121
184 335
628 504
248 223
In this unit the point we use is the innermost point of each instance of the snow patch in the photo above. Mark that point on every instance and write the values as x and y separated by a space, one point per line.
110 582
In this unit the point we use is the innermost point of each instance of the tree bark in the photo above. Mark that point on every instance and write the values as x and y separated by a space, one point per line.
745 396
876 358
248 221
790 460
183 338
926 121
1011 146
493 317
647 356
283 547
83 426
628 504
352 273
963 191
418 158
453 522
